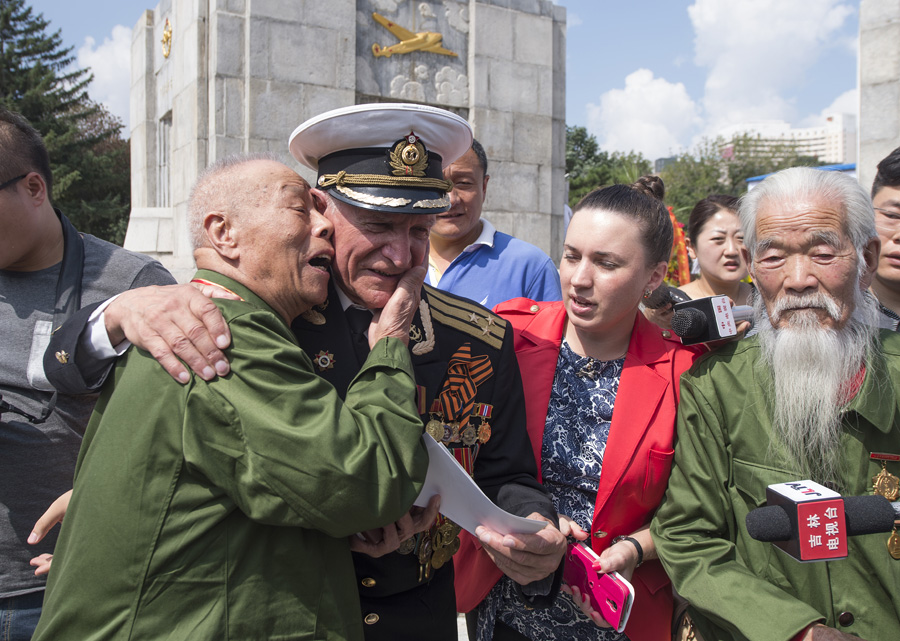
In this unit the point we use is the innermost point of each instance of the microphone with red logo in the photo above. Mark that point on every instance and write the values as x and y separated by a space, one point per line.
809 522
708 319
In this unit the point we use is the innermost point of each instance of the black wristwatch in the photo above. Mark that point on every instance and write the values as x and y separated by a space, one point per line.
637 546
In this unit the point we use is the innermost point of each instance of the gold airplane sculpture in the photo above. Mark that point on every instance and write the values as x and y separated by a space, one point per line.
423 41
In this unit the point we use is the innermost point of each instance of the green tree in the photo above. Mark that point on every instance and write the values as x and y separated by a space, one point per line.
751 156
692 177
89 159
715 166
588 167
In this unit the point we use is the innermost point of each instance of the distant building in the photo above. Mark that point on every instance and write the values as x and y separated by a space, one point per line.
833 142
661 163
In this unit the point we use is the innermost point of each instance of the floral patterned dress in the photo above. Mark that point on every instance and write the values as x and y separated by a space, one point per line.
575 435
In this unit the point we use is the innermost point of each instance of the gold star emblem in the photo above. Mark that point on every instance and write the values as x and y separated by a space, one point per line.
62 357
473 317
324 360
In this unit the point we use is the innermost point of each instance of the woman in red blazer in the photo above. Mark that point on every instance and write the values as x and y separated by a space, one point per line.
601 390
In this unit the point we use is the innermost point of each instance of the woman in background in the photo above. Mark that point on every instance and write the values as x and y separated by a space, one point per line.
601 390
715 241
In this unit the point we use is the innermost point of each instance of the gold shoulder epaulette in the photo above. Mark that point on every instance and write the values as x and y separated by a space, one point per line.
466 316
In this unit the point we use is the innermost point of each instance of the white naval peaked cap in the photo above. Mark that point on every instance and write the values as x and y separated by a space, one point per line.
384 156
380 125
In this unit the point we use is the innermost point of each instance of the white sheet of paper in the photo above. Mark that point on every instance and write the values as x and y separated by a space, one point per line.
462 501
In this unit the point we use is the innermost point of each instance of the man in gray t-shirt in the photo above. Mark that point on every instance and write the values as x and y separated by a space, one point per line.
47 272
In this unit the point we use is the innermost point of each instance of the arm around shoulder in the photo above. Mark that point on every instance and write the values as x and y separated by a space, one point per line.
303 456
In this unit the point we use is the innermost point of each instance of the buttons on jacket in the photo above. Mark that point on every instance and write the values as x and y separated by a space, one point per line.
666 333
535 308
368 582
600 534
371 618
846 619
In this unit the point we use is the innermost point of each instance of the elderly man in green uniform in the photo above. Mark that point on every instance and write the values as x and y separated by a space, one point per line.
813 396
221 510
380 167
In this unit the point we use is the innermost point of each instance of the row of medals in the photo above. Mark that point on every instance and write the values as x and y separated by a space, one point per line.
887 485
436 546
449 432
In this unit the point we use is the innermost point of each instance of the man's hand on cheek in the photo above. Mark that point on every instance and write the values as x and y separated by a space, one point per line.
394 319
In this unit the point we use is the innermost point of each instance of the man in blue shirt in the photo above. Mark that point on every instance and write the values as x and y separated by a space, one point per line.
469 257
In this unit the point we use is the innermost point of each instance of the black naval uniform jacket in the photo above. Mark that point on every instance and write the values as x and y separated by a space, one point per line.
396 604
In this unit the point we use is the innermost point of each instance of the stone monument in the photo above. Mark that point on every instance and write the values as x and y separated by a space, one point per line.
216 77
879 85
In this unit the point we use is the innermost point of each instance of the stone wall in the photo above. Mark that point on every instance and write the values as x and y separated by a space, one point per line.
879 80
242 74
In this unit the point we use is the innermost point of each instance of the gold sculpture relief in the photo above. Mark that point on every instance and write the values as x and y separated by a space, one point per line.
423 41
167 39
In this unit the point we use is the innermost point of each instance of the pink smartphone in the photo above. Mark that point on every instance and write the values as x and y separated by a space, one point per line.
611 595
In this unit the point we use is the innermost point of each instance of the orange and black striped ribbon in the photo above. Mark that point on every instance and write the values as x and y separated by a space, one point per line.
464 375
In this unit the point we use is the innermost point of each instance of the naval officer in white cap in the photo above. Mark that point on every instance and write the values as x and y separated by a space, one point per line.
381 167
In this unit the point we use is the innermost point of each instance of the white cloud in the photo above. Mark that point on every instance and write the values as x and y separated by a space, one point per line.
758 52
846 103
573 20
110 63
650 115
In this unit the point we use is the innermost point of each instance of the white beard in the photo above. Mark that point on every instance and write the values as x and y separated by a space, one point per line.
811 367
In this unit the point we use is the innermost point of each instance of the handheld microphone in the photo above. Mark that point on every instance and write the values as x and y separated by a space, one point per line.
809 522
708 319
664 295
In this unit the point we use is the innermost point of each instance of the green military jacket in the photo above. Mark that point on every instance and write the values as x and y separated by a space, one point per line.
221 510
725 457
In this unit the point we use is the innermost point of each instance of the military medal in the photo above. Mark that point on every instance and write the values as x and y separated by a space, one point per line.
435 426
424 554
408 546
884 483
451 433
435 429
324 360
450 530
483 411
425 550
469 436
893 544
439 558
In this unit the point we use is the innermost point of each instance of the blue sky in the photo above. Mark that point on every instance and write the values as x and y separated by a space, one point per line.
653 76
